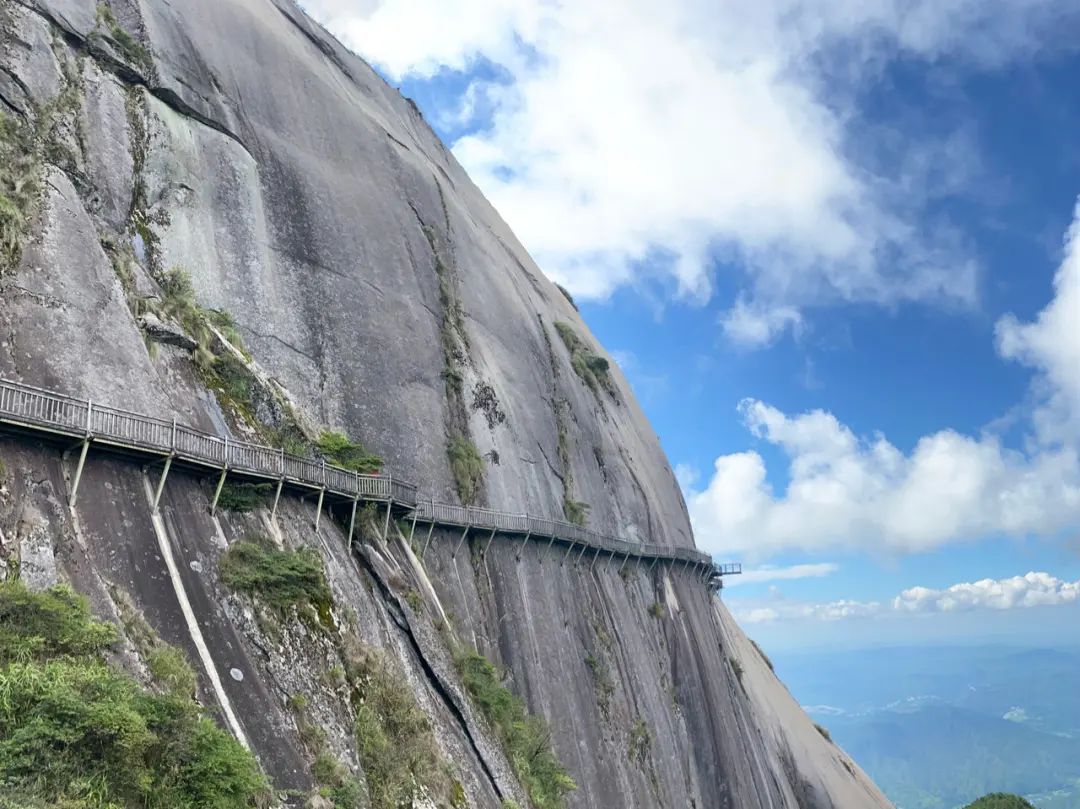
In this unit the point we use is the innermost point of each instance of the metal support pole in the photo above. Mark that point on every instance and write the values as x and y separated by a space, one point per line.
161 483
567 556
457 548
318 508
584 548
529 534
624 561
79 469
386 525
277 497
595 557
352 519
217 491
431 527
412 529
550 543
488 545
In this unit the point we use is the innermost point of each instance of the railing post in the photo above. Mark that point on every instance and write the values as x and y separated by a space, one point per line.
89 411
281 462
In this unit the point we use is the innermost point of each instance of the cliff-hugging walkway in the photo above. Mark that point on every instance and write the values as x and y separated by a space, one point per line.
88 426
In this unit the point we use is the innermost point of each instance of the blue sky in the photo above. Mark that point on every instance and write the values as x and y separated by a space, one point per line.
822 243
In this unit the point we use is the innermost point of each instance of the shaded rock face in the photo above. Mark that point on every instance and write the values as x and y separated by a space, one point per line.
377 292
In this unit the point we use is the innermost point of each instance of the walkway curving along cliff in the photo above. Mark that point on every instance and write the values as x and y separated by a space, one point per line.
59 417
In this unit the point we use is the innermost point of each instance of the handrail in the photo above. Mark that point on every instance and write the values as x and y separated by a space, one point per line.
38 408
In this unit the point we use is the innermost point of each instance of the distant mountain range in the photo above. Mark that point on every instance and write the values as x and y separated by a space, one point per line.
938 727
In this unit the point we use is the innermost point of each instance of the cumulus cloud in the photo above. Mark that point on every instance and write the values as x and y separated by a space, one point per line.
630 137
1030 590
846 490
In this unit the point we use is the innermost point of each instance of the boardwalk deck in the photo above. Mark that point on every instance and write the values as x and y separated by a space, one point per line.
75 421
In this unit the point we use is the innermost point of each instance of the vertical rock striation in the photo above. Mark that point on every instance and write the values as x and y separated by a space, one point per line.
375 291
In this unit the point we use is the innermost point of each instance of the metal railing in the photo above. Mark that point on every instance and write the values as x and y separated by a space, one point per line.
35 408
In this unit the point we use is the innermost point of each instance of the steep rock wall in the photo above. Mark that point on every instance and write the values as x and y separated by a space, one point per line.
381 294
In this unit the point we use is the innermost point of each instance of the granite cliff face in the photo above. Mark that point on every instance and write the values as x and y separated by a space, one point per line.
376 292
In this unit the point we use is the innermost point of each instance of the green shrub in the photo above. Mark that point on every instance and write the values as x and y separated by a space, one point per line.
394 740
1000 800
76 733
467 466
282 579
130 48
657 610
340 450
526 738
593 369
576 511
170 669
640 742
244 497
54 623
824 731
415 600
602 682
231 377
20 185
567 295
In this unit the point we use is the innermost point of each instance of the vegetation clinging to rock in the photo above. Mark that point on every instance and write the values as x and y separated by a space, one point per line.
130 49
243 497
340 450
282 579
567 295
467 466
76 733
594 370
576 511
20 185
526 738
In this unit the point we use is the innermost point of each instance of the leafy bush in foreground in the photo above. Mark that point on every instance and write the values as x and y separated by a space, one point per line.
76 733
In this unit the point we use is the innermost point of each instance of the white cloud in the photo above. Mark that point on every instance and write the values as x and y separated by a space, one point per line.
846 490
794 611
627 130
1030 590
765 573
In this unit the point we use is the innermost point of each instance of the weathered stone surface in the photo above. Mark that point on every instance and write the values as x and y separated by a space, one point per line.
167 332
311 201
